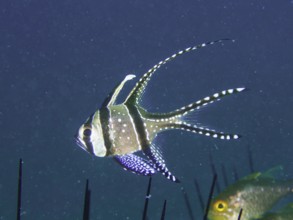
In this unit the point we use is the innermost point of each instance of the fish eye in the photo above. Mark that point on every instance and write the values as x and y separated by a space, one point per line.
87 132
220 206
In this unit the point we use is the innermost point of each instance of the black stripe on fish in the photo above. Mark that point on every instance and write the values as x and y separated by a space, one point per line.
149 150
87 139
138 125
134 127
105 121
88 147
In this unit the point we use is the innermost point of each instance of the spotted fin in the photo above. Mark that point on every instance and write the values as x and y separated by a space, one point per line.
204 131
111 98
136 93
184 111
159 163
176 119
136 164
203 102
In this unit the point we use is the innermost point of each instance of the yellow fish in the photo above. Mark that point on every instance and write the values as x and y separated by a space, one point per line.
255 194
285 213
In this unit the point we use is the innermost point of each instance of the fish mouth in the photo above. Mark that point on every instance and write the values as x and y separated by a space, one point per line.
79 143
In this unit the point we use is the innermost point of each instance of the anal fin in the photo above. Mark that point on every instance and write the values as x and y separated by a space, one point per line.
159 163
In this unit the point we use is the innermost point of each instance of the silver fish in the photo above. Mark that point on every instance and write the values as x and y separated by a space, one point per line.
121 130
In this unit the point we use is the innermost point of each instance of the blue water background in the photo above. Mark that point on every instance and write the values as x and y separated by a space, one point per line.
59 60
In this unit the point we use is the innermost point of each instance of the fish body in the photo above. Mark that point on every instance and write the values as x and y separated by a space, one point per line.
255 195
121 130
124 135
285 213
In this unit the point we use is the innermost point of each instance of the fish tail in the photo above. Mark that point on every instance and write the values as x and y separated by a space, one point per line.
175 119
204 131
185 110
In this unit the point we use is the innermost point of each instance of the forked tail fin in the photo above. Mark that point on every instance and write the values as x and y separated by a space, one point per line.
203 102
176 119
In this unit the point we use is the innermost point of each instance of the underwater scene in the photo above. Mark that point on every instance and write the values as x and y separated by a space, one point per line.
146 110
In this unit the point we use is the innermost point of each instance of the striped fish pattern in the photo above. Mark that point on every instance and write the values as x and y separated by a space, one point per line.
121 130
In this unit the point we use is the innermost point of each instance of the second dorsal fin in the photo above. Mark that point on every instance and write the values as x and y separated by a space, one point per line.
136 93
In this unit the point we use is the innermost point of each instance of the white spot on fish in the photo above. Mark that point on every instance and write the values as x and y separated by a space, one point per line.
240 89
216 95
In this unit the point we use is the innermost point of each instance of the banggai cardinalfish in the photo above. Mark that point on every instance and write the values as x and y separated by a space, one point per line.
121 130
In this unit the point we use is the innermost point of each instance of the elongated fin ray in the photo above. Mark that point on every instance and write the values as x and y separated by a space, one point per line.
203 131
159 163
136 93
203 102
136 164
111 98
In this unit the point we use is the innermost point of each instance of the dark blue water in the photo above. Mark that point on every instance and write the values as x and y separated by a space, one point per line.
59 59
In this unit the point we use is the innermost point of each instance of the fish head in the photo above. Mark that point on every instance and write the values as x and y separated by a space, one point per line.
90 136
220 210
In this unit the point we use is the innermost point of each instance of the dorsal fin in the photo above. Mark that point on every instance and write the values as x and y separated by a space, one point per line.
269 174
136 93
111 98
